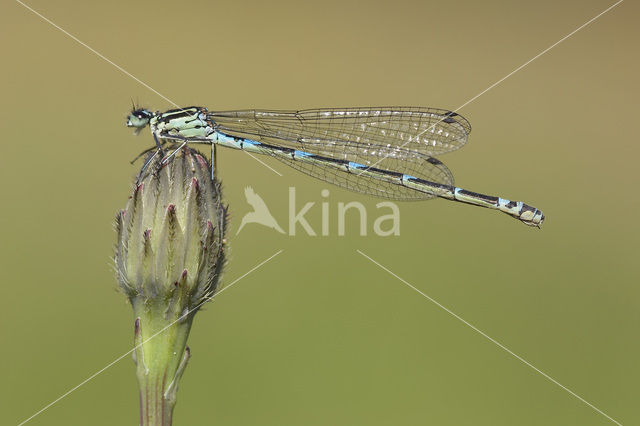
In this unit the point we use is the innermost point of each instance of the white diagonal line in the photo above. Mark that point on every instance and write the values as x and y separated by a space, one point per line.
503 78
124 71
263 163
492 340
100 55
88 379
538 55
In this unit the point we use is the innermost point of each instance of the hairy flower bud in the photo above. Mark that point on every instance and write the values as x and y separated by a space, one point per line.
170 235
168 260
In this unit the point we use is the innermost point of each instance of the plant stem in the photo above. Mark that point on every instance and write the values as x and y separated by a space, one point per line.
160 361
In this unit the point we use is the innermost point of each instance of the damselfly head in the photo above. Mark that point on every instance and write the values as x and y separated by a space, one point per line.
139 119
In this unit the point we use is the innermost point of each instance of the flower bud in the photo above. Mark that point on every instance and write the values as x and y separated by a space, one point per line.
168 259
170 248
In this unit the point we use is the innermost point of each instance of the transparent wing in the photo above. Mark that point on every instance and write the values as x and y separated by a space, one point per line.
383 185
397 139
357 134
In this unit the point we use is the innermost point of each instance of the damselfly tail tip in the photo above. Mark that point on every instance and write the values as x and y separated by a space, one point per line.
535 219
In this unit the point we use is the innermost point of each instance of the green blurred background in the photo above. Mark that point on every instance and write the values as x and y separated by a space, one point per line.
320 335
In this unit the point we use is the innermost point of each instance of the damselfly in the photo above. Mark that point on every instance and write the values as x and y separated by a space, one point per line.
386 152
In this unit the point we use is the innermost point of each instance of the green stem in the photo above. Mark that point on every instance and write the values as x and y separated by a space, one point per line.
161 356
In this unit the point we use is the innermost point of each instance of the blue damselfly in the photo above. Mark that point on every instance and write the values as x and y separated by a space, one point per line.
386 152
